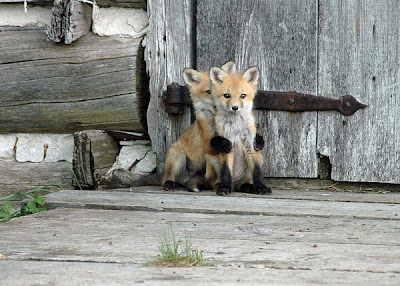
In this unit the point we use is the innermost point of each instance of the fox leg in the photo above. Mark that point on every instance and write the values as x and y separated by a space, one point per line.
213 170
246 185
258 179
225 185
175 166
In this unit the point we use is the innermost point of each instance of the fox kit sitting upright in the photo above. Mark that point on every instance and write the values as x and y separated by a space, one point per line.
185 161
234 120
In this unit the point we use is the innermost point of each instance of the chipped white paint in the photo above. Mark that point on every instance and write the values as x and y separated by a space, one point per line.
44 148
15 15
7 144
121 22
138 158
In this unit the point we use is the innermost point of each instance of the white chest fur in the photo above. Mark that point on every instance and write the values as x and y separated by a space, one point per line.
236 128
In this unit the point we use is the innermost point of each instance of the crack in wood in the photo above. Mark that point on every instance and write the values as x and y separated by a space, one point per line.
70 101
54 205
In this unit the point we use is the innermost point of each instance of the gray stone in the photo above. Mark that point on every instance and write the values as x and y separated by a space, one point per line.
44 147
15 15
7 144
121 22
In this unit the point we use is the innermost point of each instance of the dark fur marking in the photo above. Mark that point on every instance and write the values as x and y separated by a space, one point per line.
259 183
225 187
221 145
201 172
259 142
170 185
247 188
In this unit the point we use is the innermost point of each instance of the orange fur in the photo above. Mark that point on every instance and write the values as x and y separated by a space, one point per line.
233 95
188 157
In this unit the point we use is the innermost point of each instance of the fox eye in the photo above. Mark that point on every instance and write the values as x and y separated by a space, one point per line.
227 95
243 96
208 91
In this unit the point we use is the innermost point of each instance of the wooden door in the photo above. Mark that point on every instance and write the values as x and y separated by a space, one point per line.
280 37
327 48
359 54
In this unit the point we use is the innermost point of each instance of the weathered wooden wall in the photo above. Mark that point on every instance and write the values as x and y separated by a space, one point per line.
359 48
94 83
101 3
46 88
320 47
279 36
169 49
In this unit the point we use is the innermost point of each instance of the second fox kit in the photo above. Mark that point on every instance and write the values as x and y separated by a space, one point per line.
233 96
185 162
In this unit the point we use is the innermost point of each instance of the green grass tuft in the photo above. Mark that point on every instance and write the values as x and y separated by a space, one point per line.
177 252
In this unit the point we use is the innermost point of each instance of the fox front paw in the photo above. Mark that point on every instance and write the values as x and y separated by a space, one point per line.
259 143
221 145
262 190
223 191
170 186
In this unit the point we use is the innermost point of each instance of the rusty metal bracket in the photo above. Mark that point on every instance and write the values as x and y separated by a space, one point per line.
177 97
299 102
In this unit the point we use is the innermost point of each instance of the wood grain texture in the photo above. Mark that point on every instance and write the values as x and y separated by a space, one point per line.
280 37
359 47
71 19
22 177
79 21
209 202
300 238
264 232
36 2
169 49
139 4
24 272
94 153
93 83
85 236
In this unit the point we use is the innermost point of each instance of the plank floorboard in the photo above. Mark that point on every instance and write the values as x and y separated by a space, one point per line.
193 202
283 239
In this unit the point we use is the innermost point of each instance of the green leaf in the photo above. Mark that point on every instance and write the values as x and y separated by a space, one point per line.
30 208
12 197
8 207
4 214
38 199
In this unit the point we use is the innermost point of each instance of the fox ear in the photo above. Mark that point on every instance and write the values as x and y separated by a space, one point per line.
229 67
191 76
217 75
252 75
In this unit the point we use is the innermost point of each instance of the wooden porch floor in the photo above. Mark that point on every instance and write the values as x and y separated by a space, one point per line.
291 237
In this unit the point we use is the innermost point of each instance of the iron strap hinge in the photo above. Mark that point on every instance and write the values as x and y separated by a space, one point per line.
176 97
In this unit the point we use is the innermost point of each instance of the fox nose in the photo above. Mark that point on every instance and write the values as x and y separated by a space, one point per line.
235 107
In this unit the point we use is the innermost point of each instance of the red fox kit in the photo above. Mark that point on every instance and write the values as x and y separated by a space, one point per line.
185 162
233 97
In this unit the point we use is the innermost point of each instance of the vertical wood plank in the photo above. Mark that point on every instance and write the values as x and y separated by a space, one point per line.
169 49
359 47
280 37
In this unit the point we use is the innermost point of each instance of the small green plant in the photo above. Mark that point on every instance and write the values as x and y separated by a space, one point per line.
177 252
74 175
9 211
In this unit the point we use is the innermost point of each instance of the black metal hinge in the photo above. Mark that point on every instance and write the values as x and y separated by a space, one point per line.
177 97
